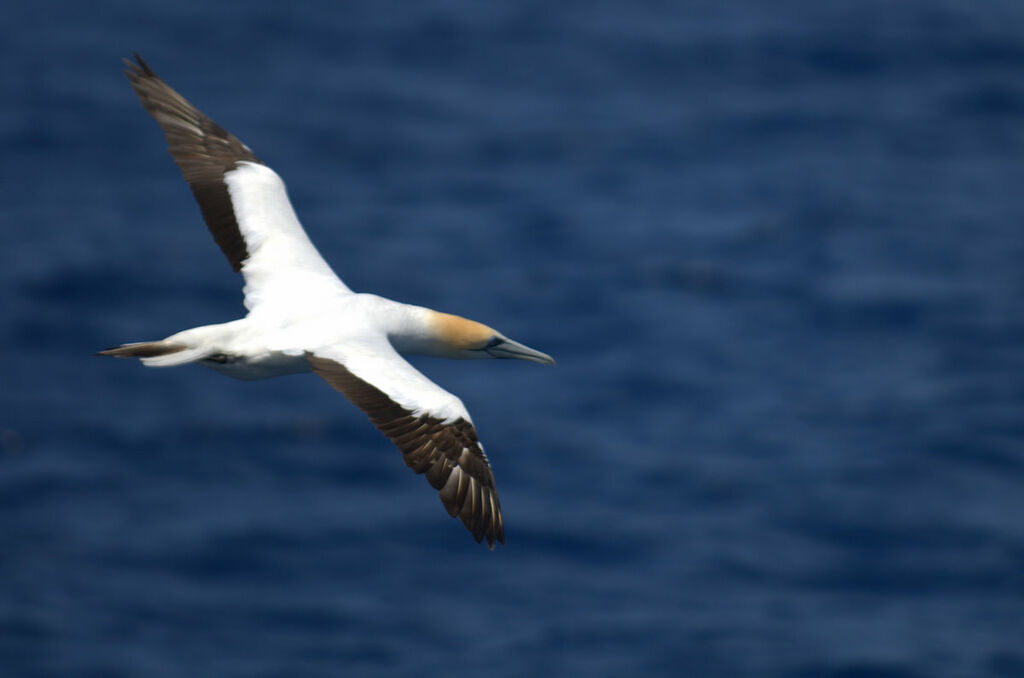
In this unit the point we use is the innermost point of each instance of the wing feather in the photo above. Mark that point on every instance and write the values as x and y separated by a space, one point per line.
244 203
441 444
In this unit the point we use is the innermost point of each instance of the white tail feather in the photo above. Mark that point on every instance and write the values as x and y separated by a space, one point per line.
189 355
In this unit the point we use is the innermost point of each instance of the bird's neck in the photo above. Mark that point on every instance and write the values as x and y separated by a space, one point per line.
422 331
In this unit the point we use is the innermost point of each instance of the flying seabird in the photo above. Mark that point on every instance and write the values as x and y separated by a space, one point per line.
302 317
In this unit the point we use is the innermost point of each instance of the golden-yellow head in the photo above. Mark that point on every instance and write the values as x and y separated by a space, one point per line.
464 338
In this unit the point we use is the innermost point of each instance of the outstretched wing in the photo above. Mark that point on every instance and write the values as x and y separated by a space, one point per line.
244 202
430 426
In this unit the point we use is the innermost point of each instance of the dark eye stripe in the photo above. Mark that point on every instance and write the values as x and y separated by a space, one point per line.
493 342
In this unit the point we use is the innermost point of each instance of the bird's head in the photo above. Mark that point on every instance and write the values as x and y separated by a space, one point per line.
467 339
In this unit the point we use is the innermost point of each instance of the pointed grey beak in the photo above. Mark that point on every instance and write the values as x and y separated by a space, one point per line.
506 348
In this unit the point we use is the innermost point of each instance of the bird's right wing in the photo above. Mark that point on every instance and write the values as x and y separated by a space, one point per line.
430 426
244 202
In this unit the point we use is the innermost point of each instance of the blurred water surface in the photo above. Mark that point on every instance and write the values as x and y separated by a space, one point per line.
775 247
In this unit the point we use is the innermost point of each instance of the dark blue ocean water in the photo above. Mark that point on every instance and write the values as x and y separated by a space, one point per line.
775 247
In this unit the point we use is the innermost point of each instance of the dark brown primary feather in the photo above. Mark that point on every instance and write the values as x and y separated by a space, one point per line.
203 151
449 455
144 349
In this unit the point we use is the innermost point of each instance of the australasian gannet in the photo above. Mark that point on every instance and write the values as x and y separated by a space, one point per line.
301 316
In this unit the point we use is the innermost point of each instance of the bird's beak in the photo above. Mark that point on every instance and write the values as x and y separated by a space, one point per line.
506 348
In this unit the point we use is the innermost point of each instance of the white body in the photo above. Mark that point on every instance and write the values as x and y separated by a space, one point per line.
298 306
302 317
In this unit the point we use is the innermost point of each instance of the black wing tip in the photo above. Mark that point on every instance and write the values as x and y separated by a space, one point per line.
492 535
484 524
500 538
138 68
412 436
492 539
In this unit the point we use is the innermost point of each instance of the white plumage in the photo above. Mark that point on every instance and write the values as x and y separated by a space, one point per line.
303 318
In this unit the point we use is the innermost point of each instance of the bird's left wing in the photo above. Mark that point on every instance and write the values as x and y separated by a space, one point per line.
244 202
430 426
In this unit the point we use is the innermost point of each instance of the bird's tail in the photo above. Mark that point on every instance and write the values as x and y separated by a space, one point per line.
157 353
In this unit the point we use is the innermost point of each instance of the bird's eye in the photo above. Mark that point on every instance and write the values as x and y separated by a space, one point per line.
493 342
